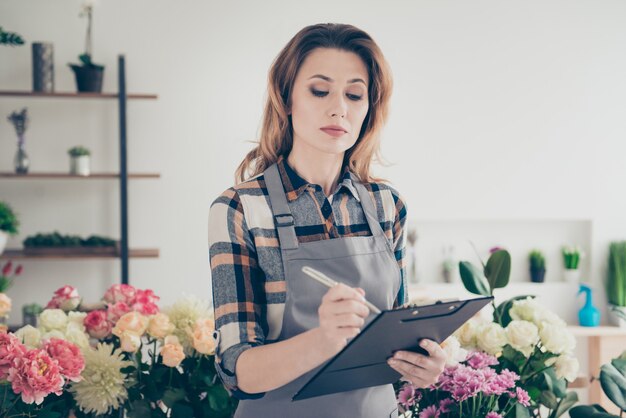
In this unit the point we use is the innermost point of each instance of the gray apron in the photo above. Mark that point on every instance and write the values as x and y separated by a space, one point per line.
365 262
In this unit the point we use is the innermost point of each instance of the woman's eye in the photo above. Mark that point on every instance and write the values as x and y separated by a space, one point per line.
354 97
318 93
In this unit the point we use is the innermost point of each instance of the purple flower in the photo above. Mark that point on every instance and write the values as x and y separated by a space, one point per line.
408 396
480 360
522 396
494 249
508 378
493 415
430 412
445 404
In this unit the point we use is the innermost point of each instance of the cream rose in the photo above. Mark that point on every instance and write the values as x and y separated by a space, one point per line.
522 336
5 305
556 338
53 319
159 325
466 335
129 341
491 338
202 336
525 310
75 333
172 352
30 336
566 367
454 353
131 322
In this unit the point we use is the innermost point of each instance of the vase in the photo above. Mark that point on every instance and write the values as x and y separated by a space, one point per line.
614 318
4 237
88 78
21 161
537 275
80 165
571 275
43 67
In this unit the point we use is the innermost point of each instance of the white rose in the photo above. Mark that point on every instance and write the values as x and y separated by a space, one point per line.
129 341
75 333
565 366
491 338
556 338
522 336
466 335
77 318
548 317
53 319
55 333
525 309
454 353
30 336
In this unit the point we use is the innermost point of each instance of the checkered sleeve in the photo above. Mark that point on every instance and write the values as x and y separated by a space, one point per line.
399 245
237 283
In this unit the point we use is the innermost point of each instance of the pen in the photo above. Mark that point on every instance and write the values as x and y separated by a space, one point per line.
328 282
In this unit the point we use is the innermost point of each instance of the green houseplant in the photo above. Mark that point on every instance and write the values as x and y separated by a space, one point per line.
9 224
88 74
616 283
10 38
571 260
79 160
537 266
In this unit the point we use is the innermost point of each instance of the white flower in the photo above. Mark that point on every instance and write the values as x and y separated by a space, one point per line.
5 305
525 310
52 319
556 339
565 366
30 336
77 318
545 316
522 336
55 333
76 334
184 314
491 338
454 353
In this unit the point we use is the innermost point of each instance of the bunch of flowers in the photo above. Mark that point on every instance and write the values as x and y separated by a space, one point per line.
8 273
470 388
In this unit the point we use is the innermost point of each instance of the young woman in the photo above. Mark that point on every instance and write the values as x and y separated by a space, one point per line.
306 197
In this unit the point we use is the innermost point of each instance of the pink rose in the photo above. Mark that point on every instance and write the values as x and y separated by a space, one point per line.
68 357
66 298
97 324
146 302
145 308
35 375
116 311
10 348
120 293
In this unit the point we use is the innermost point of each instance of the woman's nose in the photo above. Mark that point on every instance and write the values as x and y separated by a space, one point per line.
338 107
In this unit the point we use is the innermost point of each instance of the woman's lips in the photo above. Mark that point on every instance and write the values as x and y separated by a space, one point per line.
334 132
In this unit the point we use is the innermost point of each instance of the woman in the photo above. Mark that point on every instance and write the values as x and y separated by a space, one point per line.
310 200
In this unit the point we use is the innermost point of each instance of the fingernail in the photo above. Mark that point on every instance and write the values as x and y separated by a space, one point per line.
392 362
424 344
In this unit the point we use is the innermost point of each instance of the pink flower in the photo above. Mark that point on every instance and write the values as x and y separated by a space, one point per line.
35 375
116 310
120 293
66 298
445 404
145 302
493 415
10 348
507 378
146 296
97 324
522 396
145 308
408 396
480 360
430 412
68 357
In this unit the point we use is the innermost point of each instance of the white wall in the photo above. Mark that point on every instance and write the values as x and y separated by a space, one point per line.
504 113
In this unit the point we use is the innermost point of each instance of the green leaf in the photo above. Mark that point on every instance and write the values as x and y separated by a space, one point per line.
614 385
473 280
548 399
586 411
182 410
139 409
171 396
620 365
565 404
498 269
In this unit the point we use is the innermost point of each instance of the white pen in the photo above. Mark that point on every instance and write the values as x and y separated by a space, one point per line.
328 282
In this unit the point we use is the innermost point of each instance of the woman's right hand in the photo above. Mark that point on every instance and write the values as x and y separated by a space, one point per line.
341 315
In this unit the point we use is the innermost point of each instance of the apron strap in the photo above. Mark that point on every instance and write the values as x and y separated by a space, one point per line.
283 219
368 208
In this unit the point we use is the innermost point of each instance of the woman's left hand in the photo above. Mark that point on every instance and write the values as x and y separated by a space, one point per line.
422 371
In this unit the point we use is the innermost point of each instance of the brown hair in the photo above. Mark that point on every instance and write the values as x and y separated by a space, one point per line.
277 132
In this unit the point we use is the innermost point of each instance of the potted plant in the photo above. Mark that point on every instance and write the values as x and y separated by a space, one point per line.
616 283
8 224
20 122
537 266
571 259
88 74
79 160
10 38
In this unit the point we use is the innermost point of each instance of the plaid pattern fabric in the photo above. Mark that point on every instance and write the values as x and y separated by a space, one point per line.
246 266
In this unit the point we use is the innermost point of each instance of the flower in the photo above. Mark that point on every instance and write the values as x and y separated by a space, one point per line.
97 325
408 396
202 336
522 336
145 302
479 360
116 310
5 305
557 339
120 293
102 388
565 366
30 336
429 412
75 333
10 348
65 298
522 396
131 322
184 314
160 325
491 338
129 341
35 375
444 405
68 357
172 352
52 319
493 415
453 350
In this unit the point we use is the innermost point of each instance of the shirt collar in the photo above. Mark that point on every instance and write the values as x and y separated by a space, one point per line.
295 185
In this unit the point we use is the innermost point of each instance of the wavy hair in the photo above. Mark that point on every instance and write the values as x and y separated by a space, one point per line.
276 137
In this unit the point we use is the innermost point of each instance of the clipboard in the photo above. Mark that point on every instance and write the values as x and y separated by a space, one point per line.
363 362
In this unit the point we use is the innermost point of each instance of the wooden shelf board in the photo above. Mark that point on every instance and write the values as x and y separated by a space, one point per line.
50 175
133 253
75 95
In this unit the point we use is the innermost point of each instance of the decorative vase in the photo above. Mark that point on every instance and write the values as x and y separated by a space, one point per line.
614 318
537 275
4 237
80 165
21 160
88 78
43 67
571 275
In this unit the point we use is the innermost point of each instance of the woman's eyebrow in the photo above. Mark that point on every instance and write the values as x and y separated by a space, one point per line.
325 78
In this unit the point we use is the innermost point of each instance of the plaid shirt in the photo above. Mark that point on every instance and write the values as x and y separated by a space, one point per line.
246 265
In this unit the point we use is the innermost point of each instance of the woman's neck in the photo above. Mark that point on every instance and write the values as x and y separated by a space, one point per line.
317 168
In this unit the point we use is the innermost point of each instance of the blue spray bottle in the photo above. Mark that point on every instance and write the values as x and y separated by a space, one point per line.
589 315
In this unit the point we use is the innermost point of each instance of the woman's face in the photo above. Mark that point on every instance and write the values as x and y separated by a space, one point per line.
330 90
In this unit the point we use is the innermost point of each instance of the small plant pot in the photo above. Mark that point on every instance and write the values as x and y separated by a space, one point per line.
80 166
4 237
88 78
614 318
537 275
571 275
